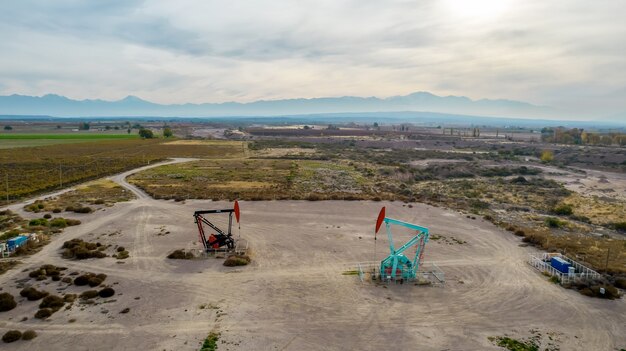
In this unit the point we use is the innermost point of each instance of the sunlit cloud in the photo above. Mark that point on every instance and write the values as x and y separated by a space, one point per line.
568 54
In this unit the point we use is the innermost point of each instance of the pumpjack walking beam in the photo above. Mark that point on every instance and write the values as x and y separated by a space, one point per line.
397 263
220 238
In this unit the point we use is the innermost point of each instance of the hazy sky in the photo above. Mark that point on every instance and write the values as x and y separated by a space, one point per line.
569 54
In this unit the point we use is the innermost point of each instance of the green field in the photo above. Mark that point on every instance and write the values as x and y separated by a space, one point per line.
73 136
10 141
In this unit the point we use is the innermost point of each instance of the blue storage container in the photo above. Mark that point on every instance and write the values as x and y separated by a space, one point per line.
560 264
16 242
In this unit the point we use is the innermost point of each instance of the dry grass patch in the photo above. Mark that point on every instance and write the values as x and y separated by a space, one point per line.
5 265
598 210
99 192
180 255
236 260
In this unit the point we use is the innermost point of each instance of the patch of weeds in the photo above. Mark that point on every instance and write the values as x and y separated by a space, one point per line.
5 265
210 343
553 222
352 272
180 255
236 260
514 345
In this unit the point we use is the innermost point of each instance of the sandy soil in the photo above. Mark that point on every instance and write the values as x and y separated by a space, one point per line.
589 182
293 295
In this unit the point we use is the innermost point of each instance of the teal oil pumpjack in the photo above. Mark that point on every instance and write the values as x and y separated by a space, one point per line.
397 265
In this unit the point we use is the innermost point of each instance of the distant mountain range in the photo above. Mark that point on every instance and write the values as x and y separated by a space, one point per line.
131 106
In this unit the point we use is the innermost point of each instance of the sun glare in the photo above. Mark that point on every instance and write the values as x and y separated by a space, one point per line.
478 9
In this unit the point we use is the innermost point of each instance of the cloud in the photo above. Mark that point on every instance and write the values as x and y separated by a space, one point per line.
545 52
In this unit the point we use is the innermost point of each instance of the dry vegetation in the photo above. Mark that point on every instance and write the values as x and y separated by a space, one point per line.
81 250
50 303
180 255
97 193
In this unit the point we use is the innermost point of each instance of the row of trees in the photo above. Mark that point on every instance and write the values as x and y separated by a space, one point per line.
578 136
148 134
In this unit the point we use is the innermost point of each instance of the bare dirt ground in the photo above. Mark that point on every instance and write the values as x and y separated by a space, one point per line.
293 295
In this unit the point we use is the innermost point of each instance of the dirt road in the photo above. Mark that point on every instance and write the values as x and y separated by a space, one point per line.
293 296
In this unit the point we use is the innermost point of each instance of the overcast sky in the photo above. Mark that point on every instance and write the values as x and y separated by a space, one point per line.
569 54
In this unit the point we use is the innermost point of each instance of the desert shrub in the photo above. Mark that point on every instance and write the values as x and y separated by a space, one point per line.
90 279
180 255
69 298
479 205
11 336
610 292
120 249
533 239
81 280
67 280
99 202
57 210
32 294
52 301
47 216
621 226
71 222
519 180
620 283
81 250
553 222
89 294
38 222
520 232
44 271
106 292
563 210
85 209
58 222
94 281
43 313
29 335
237 260
122 255
7 302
